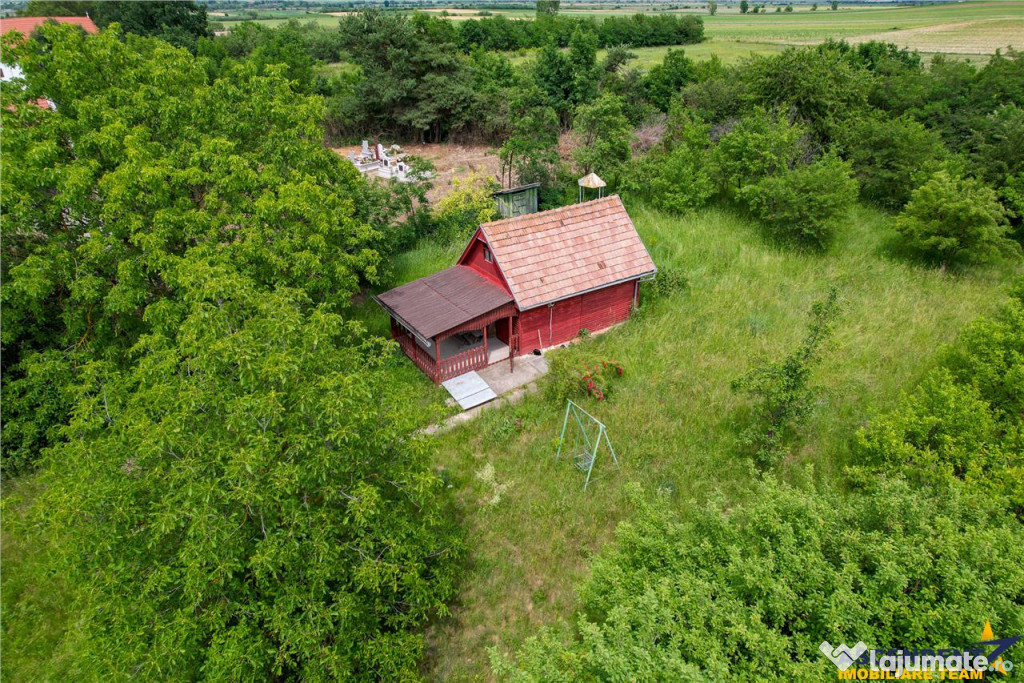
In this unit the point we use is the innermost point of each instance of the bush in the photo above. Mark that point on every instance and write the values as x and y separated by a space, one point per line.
574 376
803 204
964 421
952 220
749 593
940 428
759 145
463 209
676 180
667 282
989 354
891 157
779 389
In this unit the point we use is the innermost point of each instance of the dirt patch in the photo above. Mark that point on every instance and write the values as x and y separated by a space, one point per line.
451 162
454 162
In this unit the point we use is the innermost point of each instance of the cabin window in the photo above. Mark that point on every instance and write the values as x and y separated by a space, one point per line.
487 255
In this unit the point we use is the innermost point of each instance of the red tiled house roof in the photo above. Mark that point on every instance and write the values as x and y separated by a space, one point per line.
556 254
27 25
444 300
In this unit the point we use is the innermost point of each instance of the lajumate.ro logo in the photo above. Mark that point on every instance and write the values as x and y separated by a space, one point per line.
976 662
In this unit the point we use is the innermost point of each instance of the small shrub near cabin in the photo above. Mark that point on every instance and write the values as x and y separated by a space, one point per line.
667 282
575 376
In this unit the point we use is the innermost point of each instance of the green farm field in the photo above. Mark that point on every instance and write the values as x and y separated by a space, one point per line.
673 418
972 30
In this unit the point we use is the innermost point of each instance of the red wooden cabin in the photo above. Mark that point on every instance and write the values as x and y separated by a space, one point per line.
522 283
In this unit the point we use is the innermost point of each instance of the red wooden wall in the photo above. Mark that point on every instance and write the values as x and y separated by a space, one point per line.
592 311
474 258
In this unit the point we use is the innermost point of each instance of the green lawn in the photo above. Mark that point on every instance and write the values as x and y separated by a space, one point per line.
673 418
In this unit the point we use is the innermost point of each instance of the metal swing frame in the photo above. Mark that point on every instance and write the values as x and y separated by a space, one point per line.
590 448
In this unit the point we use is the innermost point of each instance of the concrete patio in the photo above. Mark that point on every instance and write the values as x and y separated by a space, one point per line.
508 387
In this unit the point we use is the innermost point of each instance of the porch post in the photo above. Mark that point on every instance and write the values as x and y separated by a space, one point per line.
511 346
486 357
437 359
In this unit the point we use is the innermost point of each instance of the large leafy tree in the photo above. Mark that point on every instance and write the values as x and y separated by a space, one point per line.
604 133
820 86
144 160
414 79
229 477
179 22
665 81
243 503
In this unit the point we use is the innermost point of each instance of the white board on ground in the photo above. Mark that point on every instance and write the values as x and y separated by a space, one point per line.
469 390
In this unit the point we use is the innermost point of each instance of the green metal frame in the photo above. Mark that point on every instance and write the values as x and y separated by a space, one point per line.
586 455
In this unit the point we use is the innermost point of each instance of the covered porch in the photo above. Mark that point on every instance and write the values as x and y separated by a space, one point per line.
497 350
456 352
453 322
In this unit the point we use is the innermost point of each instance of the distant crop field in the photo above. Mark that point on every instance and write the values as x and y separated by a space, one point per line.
971 30
965 28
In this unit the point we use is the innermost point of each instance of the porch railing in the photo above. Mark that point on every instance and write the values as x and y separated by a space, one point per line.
423 360
473 359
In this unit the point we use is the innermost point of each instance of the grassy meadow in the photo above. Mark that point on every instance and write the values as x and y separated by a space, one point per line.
673 418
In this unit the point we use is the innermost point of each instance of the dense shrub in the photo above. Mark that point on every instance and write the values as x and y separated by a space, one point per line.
941 428
820 86
676 178
749 593
891 157
965 421
667 282
989 354
759 145
952 220
457 214
805 203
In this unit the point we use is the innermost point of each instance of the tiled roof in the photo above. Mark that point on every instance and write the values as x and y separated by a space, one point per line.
27 25
444 300
554 254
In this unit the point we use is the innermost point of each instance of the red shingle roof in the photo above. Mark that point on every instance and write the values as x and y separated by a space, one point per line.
554 254
27 25
444 300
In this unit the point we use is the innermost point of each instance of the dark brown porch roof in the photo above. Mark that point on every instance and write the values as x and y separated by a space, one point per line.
439 302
